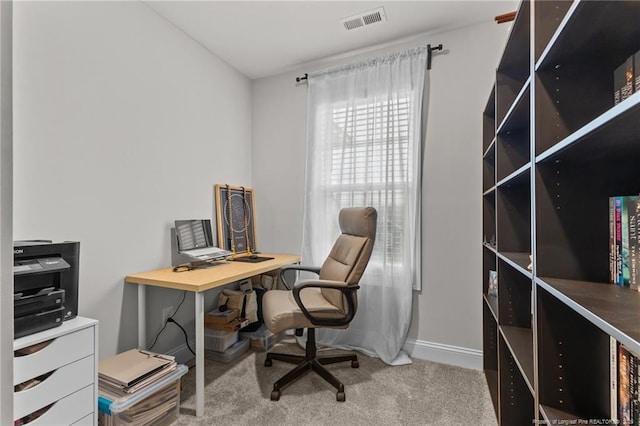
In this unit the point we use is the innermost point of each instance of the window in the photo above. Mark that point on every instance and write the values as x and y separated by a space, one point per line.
370 165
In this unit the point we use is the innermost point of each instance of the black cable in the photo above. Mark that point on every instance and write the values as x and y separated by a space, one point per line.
184 295
183 330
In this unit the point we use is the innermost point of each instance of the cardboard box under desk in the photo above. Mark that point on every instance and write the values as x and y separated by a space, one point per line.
217 318
234 325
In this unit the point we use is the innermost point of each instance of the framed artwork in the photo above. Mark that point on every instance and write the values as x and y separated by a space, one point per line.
235 216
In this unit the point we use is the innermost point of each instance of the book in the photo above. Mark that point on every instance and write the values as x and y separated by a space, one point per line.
613 375
618 83
634 246
624 244
627 89
628 386
618 249
624 391
623 81
612 240
624 248
636 71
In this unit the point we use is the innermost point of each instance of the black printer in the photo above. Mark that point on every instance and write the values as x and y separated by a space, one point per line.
45 288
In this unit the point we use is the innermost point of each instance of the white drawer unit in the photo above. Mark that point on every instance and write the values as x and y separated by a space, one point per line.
56 376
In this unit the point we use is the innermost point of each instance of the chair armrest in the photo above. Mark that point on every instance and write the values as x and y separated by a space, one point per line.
314 269
347 290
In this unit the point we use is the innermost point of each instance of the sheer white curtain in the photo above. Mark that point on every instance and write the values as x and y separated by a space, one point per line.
364 149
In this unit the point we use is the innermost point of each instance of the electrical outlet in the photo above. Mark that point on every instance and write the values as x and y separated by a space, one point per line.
166 313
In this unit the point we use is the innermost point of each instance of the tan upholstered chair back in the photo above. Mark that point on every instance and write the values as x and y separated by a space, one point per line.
351 252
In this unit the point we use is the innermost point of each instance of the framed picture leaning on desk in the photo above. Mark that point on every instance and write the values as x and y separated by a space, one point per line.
235 216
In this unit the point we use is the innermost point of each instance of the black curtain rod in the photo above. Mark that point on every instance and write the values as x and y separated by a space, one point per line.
429 50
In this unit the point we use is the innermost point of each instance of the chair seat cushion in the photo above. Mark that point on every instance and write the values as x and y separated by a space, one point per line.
281 312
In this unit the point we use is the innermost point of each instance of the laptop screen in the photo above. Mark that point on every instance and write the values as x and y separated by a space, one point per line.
193 234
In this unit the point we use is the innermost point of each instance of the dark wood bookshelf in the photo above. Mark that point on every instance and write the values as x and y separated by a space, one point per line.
554 149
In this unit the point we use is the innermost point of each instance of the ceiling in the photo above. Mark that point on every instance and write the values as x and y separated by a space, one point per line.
264 38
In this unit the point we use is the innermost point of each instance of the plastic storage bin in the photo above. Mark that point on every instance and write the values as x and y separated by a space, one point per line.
233 352
157 405
262 339
219 340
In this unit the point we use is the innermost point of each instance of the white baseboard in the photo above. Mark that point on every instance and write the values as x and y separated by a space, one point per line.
420 349
445 354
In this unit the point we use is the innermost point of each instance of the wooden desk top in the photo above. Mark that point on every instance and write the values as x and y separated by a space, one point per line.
223 272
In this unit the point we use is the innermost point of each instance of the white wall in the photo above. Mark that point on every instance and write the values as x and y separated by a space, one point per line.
447 312
6 209
122 125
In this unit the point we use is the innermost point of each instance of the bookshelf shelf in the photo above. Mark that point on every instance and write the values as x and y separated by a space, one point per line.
490 147
513 140
547 18
520 343
489 191
489 247
614 309
516 405
514 106
514 297
489 121
513 70
490 349
492 382
574 78
489 169
492 303
513 215
580 35
617 125
518 261
555 416
515 176
559 149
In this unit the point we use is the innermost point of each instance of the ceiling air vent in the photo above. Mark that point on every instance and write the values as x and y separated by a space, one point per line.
364 18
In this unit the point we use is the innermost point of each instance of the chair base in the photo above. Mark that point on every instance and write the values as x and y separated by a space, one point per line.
309 362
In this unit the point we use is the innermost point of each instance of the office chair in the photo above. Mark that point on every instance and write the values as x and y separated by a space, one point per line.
329 301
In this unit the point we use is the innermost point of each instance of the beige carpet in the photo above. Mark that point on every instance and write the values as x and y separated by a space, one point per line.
423 393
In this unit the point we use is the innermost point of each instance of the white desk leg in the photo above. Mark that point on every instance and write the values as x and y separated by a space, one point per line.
199 297
142 316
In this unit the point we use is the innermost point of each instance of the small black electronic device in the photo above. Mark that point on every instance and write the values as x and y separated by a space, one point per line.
45 284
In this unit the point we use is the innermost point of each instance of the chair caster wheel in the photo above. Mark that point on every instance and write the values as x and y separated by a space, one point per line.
275 395
355 364
268 362
340 397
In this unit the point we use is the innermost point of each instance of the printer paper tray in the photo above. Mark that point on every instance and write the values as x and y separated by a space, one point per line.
33 323
24 305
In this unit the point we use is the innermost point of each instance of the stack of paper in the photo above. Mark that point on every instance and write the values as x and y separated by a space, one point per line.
132 371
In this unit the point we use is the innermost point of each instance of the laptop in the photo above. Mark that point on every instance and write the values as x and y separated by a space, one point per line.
194 238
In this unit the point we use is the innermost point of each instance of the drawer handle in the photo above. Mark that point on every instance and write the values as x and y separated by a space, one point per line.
29 350
33 416
32 383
